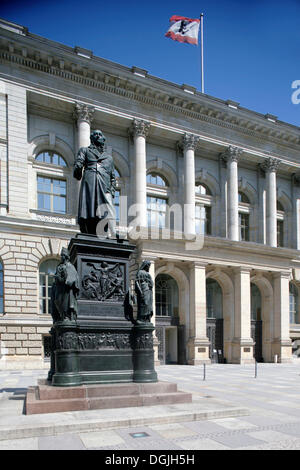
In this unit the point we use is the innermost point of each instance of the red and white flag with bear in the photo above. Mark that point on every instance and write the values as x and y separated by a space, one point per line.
184 29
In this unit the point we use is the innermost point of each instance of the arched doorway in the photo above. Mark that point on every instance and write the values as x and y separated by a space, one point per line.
170 333
214 320
256 322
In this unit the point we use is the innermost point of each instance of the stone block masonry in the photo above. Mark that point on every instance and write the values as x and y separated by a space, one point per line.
22 327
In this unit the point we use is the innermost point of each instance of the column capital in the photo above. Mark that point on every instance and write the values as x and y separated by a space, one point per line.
84 112
139 127
282 275
271 164
189 141
231 154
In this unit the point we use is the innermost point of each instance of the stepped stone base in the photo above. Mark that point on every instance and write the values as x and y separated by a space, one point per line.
45 398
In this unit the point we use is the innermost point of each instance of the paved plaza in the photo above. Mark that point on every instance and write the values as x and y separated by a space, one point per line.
269 417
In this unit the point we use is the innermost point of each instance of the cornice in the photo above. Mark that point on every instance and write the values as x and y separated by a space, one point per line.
143 91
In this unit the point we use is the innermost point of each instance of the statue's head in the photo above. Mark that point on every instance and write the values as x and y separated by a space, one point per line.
64 254
145 265
98 138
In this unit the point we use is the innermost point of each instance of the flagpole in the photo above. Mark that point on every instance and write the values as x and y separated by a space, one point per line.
202 62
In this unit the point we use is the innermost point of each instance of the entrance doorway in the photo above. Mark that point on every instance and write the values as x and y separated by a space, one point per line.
169 332
214 320
256 323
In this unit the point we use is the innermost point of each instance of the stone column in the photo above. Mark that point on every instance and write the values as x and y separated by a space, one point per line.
242 344
231 156
281 344
84 116
139 131
270 166
198 343
296 211
189 143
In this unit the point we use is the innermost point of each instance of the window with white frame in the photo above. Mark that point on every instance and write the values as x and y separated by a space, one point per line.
280 224
46 279
244 216
117 194
203 203
293 297
157 200
52 178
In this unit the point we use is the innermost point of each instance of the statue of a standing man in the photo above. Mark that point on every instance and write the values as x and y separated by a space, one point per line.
98 185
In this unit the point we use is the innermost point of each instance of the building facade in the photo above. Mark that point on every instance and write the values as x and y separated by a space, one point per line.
216 188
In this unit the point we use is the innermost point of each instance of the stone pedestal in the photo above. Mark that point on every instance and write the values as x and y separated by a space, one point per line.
101 346
45 398
143 354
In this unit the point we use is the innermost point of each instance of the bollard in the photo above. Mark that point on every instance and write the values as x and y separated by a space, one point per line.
255 370
204 371
275 358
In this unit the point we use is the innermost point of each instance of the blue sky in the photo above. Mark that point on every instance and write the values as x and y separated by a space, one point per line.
251 48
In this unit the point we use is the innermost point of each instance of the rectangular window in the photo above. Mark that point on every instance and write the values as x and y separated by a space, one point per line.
117 204
46 282
279 232
156 211
51 194
244 226
203 219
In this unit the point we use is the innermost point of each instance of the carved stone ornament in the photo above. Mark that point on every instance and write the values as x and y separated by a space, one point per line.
231 154
103 281
94 341
190 141
144 341
140 128
83 112
270 164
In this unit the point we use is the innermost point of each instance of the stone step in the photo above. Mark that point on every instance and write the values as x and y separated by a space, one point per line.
48 392
48 399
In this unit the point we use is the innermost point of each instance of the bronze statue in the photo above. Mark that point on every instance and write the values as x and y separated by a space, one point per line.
144 293
64 290
98 185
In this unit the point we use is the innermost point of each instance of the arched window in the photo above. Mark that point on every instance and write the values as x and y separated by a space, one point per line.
52 175
46 272
156 179
244 215
157 200
203 204
202 189
51 158
280 224
1 288
293 303
166 296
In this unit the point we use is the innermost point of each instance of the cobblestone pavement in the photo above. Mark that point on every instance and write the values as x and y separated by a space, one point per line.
272 399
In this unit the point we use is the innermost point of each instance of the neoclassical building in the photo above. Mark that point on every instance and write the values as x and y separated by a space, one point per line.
217 191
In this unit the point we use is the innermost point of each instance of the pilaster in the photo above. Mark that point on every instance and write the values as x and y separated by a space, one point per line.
242 343
198 343
281 345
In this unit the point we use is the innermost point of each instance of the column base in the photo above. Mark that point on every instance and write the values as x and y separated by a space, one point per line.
242 351
198 351
282 348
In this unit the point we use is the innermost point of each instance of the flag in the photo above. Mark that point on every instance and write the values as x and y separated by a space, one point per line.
183 29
